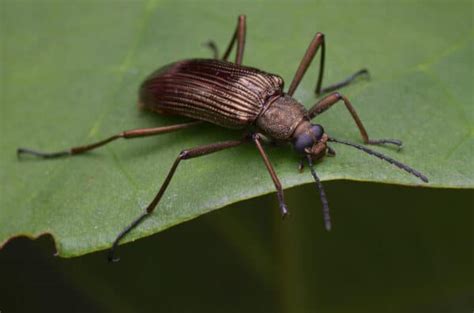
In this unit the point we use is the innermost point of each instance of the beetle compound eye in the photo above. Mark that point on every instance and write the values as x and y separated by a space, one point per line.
308 139
303 141
317 130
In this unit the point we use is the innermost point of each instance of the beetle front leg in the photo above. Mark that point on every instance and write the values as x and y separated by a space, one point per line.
319 41
334 98
271 171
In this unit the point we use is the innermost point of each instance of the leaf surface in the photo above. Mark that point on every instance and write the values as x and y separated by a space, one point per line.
70 72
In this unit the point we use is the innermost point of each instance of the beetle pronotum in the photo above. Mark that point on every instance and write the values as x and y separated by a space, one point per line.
239 97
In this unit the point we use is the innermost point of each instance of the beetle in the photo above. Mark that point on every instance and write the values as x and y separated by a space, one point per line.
235 96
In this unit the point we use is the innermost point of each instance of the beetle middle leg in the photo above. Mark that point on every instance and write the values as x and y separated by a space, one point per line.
183 155
319 41
336 97
239 36
193 153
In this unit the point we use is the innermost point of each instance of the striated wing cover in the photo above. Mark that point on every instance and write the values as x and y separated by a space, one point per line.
211 90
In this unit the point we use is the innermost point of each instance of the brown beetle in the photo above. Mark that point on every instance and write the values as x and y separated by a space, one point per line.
239 97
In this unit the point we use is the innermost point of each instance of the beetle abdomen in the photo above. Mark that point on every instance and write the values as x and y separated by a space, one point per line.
216 91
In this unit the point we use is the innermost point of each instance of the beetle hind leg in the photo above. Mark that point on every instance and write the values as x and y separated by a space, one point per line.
128 134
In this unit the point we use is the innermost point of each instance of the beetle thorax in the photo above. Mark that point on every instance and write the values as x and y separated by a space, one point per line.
281 118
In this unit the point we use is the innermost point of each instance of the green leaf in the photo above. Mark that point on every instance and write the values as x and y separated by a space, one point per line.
70 72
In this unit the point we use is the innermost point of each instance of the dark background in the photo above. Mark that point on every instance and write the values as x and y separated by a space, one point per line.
393 249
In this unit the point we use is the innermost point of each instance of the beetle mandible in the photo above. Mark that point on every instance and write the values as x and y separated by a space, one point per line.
239 97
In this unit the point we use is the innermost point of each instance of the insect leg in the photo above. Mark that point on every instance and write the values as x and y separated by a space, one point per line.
328 101
271 171
183 155
345 82
319 41
239 36
212 45
128 134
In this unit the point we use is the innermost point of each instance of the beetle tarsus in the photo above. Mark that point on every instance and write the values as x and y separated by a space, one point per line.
22 151
112 259
301 165
111 255
395 142
361 73
213 47
331 152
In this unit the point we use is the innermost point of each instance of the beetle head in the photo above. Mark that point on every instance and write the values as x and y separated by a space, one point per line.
311 139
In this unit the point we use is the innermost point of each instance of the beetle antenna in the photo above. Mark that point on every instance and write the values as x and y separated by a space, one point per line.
382 157
322 194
